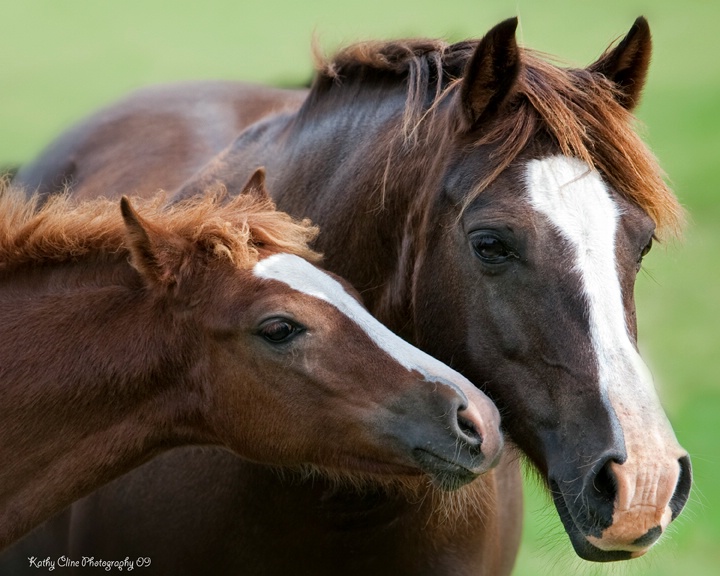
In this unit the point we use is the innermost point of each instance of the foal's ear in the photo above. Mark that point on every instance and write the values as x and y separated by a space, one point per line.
627 64
256 185
145 250
490 74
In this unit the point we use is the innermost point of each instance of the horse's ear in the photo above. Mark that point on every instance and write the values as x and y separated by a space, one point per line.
256 185
627 64
145 250
490 74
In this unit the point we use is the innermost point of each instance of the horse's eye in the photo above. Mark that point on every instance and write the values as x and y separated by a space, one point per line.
490 249
644 253
279 330
645 250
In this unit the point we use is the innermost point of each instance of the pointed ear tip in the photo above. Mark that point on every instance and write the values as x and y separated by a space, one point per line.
641 26
256 184
129 215
258 175
125 207
259 172
508 26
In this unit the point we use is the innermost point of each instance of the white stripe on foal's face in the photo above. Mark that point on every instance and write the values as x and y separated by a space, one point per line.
306 278
578 204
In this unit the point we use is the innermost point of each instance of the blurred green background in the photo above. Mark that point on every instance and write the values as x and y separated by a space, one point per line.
61 60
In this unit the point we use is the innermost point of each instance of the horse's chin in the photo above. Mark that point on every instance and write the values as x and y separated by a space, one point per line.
579 541
592 553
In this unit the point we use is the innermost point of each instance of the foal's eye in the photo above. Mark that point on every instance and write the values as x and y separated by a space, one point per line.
279 330
490 249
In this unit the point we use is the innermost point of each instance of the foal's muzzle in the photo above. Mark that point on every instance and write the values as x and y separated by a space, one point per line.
455 435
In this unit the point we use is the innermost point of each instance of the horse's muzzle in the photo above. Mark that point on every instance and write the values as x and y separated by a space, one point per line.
616 512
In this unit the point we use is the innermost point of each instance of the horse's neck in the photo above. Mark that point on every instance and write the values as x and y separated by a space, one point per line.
83 395
350 170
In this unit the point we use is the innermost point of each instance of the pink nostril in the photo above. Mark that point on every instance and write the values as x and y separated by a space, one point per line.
467 428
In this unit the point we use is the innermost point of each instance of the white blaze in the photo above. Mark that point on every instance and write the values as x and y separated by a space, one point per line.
576 201
578 204
302 276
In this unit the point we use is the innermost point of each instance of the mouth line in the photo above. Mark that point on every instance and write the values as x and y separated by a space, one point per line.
450 475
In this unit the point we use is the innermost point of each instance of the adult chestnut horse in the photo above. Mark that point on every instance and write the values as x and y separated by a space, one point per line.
493 209
205 324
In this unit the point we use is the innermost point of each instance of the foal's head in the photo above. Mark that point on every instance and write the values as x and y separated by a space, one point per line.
546 206
287 367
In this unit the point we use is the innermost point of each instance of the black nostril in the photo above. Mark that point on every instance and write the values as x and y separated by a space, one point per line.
468 430
600 489
605 484
682 488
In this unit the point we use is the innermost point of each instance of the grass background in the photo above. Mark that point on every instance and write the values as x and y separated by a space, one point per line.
60 60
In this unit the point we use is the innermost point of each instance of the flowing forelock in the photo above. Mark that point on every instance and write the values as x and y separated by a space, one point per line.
241 228
579 110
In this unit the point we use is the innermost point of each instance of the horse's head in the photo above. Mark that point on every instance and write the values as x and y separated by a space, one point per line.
292 368
547 204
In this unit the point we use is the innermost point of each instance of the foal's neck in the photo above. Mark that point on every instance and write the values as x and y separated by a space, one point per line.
87 392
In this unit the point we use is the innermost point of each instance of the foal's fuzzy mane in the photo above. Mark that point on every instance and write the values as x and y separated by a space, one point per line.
63 229
578 109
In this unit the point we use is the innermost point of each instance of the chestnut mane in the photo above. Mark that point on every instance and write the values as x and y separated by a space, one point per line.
64 230
578 109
